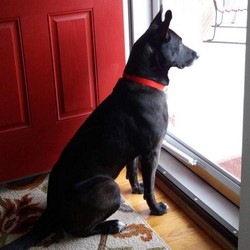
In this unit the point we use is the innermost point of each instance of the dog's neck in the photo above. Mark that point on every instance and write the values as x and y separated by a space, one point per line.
145 81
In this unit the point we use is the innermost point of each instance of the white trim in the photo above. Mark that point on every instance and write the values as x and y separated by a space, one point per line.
155 6
141 17
137 16
126 27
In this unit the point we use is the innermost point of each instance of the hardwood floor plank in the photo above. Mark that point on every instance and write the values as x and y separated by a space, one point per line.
175 227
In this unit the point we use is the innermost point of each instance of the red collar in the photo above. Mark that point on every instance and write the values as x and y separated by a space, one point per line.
145 81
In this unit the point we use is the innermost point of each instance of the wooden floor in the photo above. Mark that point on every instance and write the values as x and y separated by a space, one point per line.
175 227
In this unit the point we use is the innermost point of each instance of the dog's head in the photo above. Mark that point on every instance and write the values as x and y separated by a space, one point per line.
159 49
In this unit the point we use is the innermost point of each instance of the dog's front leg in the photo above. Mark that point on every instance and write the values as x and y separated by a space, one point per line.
132 176
149 162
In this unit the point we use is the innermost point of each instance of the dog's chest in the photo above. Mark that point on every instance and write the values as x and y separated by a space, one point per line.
145 110
153 116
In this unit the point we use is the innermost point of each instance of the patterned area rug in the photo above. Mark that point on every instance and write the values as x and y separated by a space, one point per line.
22 204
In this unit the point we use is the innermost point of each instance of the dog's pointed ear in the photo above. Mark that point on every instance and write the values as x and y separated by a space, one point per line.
157 20
165 24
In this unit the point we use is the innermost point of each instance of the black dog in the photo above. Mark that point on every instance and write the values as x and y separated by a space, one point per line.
131 122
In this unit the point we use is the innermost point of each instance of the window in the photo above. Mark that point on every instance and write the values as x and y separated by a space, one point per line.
206 100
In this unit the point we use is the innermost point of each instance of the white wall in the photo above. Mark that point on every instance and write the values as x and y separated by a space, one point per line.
244 234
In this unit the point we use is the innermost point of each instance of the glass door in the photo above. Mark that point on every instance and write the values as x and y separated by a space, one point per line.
206 100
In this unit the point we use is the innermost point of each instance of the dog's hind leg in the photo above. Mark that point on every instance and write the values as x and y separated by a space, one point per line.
132 176
91 203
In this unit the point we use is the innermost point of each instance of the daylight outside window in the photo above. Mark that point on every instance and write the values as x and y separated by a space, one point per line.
206 100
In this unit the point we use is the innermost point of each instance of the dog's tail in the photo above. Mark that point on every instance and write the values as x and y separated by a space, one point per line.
42 229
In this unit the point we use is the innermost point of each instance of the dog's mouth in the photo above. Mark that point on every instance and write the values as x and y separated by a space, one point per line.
189 60
180 66
187 63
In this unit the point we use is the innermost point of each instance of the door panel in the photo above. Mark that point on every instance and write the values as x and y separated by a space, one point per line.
74 79
13 95
58 60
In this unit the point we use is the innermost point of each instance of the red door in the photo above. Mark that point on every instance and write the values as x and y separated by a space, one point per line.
58 60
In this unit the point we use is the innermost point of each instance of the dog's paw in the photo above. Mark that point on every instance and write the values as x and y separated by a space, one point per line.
138 189
160 209
117 227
